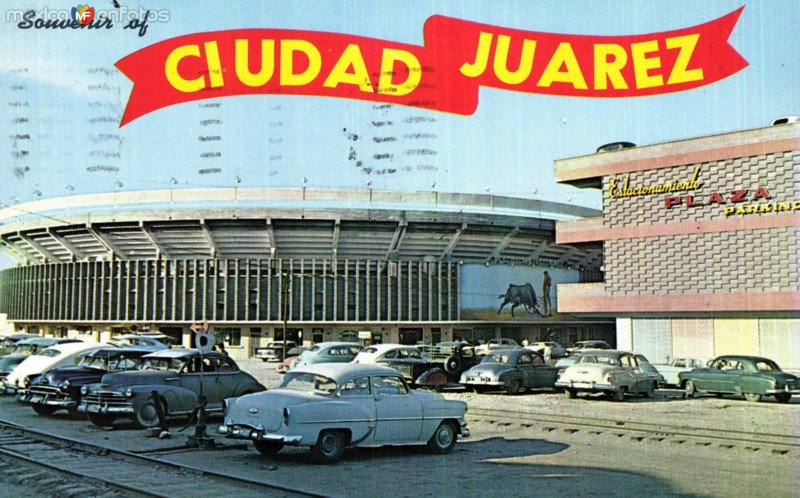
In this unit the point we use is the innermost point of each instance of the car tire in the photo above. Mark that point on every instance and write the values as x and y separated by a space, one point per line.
618 395
752 397
452 365
101 420
783 397
146 417
513 386
689 390
719 395
329 447
571 393
480 389
444 439
268 448
44 410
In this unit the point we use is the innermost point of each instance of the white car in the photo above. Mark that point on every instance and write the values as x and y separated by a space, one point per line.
274 351
556 350
492 344
377 352
329 407
615 373
58 356
678 365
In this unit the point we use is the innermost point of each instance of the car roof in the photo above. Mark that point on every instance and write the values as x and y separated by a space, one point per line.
511 352
345 370
380 348
41 341
742 357
324 345
115 351
181 353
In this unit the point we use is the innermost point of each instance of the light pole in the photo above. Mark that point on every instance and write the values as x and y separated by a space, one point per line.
285 307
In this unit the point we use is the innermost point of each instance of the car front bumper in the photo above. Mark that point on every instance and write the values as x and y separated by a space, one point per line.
53 400
105 409
586 386
464 429
237 431
475 381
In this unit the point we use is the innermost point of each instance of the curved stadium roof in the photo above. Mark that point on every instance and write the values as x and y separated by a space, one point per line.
292 223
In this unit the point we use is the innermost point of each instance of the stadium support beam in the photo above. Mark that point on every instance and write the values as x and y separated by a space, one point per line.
590 256
209 238
502 245
48 256
160 251
14 252
453 241
537 253
335 243
397 239
105 241
565 257
273 246
73 250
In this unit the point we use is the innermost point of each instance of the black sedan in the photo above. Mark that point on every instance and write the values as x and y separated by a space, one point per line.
60 388
512 370
177 376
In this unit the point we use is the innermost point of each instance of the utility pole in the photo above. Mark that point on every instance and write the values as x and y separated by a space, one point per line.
285 308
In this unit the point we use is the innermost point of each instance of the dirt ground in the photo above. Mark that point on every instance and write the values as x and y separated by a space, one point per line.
510 459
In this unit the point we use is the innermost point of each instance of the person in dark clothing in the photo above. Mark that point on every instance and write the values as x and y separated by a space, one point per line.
546 294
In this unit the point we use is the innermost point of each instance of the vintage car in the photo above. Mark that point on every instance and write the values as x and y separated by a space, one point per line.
60 388
178 376
510 369
26 347
287 364
556 349
677 365
577 346
492 344
9 342
328 407
408 360
615 373
329 352
150 342
55 356
751 376
446 362
274 351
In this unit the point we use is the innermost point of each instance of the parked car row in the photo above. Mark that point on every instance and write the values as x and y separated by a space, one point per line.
324 404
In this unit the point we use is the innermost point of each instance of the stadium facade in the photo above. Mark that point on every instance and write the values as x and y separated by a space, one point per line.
701 243
333 264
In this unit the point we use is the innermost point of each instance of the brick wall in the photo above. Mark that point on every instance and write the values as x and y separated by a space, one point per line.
779 173
742 261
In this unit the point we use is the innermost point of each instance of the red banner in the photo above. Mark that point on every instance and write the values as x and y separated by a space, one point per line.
445 74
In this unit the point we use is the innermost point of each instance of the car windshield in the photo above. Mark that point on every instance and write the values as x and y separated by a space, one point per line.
164 364
600 359
48 353
496 358
308 382
25 349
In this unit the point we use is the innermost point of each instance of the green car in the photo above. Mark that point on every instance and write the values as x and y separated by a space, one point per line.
751 376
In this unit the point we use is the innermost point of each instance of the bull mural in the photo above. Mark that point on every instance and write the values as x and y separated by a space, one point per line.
520 295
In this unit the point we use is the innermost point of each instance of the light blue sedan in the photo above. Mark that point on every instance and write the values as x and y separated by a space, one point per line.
329 407
328 352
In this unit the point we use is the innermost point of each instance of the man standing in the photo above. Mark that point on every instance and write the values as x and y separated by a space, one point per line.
546 294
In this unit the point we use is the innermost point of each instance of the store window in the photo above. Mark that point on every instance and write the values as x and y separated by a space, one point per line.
230 336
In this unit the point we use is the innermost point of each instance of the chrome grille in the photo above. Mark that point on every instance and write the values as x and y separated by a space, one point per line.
105 397
45 391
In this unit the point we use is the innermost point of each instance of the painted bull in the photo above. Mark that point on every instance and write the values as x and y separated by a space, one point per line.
518 295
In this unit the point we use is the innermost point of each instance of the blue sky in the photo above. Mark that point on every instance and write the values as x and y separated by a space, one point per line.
60 89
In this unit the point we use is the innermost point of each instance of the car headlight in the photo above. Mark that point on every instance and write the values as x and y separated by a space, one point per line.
26 382
64 384
85 390
129 393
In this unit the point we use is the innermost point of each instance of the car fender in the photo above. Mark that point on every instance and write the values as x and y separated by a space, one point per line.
754 384
246 386
177 398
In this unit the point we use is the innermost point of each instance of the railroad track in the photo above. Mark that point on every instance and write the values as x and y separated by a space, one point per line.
129 474
777 444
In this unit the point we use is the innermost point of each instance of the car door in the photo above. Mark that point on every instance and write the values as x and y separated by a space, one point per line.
525 365
398 412
713 379
543 375
357 393
197 373
627 374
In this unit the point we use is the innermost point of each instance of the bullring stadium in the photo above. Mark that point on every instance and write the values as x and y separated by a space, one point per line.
397 266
